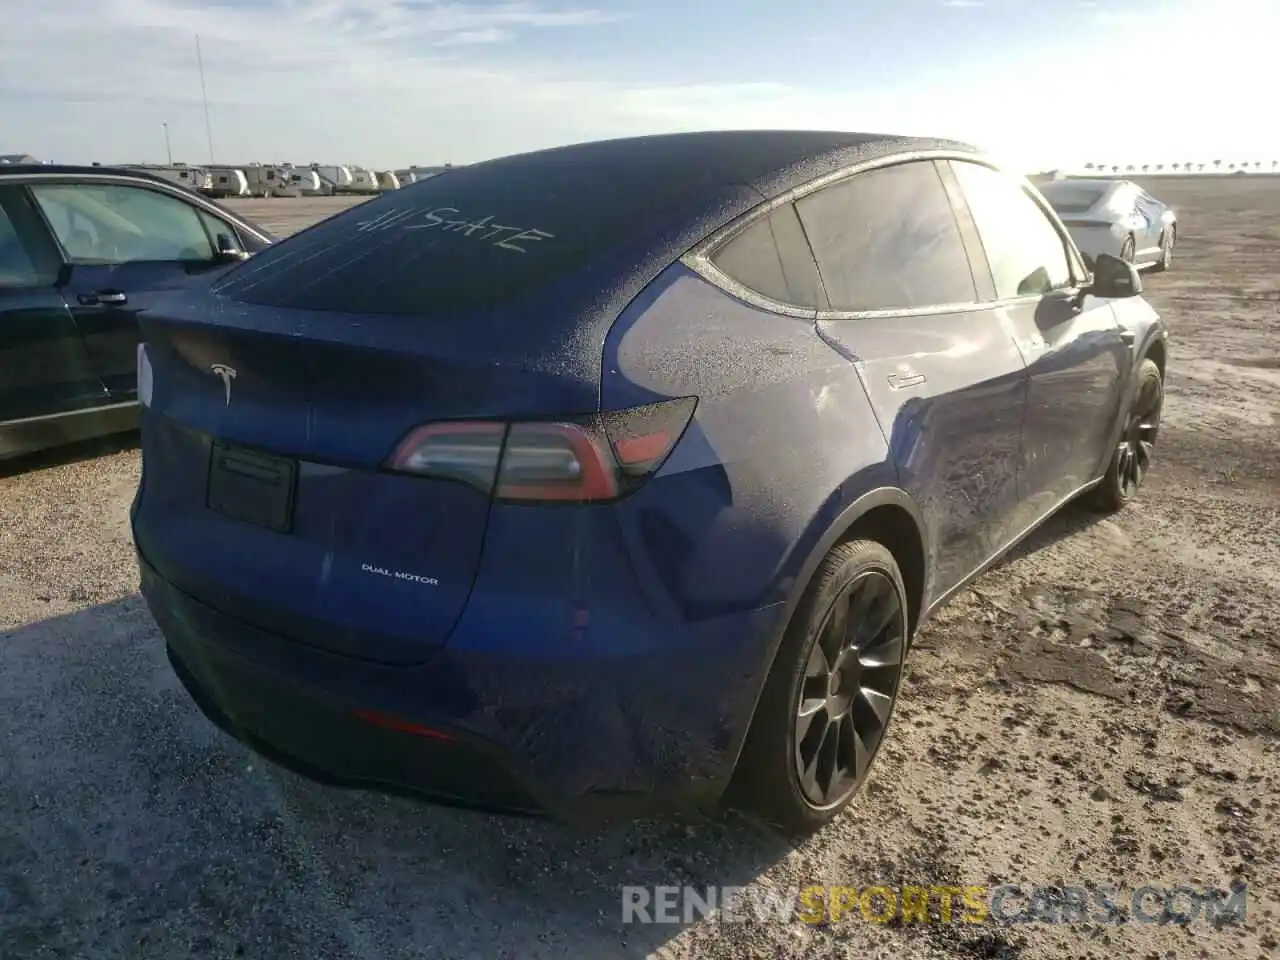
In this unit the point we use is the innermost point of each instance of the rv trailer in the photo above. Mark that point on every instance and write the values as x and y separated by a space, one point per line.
227 182
303 181
265 180
333 179
362 181
193 178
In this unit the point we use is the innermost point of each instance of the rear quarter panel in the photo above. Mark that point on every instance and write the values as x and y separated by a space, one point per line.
782 439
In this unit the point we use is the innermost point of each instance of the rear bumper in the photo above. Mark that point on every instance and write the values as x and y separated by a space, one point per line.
587 740
1095 240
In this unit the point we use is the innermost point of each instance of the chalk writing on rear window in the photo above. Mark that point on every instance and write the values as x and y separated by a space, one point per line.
450 220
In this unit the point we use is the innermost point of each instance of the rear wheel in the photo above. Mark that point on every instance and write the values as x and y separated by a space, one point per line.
827 703
1132 456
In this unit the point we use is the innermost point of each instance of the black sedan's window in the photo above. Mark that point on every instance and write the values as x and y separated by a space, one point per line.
772 258
16 268
109 223
887 239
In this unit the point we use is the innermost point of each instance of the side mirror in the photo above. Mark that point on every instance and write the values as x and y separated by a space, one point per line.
229 249
1114 278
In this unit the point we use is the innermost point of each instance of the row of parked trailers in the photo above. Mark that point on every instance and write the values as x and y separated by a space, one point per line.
286 179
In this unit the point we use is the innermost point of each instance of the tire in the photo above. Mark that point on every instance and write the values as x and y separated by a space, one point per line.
1129 249
1167 240
822 732
1131 459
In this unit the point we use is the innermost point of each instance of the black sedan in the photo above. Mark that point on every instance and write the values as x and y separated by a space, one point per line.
83 251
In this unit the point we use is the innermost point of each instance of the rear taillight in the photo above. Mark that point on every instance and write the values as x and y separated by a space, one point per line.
572 460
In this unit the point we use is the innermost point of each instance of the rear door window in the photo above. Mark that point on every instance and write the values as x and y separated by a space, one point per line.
1027 255
16 266
772 257
887 239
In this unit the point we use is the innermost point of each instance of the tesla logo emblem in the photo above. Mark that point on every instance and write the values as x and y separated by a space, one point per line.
227 374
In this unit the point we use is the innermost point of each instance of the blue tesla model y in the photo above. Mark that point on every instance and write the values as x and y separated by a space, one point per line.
617 476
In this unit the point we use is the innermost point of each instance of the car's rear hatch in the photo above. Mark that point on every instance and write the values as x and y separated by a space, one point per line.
264 490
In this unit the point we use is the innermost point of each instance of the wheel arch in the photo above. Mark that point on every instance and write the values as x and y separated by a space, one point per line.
1156 351
885 514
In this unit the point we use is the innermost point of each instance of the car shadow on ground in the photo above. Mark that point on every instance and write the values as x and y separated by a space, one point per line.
134 824
69 453
1072 519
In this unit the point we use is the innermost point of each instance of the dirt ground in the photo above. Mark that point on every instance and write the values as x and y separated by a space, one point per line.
1102 708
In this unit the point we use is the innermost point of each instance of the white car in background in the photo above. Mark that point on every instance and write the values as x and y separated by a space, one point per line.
1116 217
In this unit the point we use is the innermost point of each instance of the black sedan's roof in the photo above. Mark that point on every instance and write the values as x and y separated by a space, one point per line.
73 170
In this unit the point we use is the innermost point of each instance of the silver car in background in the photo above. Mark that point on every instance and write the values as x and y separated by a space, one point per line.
1116 217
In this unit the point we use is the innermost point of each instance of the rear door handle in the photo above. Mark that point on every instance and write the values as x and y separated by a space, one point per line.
103 298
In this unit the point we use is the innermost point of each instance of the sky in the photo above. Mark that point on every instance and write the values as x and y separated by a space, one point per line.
389 83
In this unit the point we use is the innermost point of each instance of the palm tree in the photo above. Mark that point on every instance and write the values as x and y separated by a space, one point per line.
1257 164
1129 168
1274 164
1200 167
1217 164
1159 167
1088 166
1115 168
1175 166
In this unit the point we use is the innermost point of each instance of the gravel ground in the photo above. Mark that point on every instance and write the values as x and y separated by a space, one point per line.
1101 707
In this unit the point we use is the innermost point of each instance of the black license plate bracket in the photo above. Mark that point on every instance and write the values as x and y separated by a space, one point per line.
252 486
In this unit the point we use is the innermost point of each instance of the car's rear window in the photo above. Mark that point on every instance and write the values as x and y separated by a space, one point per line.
471 238
1072 199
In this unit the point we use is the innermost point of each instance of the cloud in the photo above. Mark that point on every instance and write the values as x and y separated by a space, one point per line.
363 81
393 82
963 4
468 37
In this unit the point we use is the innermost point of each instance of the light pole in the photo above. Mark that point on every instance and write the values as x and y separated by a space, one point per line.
167 149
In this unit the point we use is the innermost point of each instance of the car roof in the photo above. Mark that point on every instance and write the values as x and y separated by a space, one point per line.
73 170
769 161
645 200
625 210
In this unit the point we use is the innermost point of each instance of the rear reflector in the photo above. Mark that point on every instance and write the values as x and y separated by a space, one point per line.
587 460
144 376
388 722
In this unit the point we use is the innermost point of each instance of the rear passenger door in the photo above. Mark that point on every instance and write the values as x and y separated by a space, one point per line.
939 365
1071 341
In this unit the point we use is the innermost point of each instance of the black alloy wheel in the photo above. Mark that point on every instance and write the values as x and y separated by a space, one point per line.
1133 454
829 698
847 694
